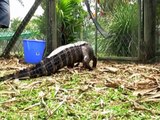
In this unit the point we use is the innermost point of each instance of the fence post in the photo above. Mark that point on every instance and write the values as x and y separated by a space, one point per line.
147 43
140 29
51 26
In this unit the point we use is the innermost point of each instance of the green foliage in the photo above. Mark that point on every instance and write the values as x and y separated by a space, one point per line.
15 23
34 26
120 19
70 15
124 28
37 27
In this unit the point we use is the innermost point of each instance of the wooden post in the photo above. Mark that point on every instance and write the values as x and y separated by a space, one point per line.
140 29
149 30
52 26
96 32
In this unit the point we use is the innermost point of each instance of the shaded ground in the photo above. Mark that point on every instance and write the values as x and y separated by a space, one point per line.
123 91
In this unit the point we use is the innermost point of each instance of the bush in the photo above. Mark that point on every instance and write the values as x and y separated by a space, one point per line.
124 30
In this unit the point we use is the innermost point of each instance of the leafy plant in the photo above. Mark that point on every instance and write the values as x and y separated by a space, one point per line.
120 19
70 15
124 29
33 26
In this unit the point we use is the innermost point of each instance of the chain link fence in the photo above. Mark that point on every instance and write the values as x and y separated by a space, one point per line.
6 35
121 22
20 29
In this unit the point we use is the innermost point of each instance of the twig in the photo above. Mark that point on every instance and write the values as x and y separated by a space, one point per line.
57 88
14 88
140 107
60 104
29 107
7 92
9 101
49 111
11 68
33 84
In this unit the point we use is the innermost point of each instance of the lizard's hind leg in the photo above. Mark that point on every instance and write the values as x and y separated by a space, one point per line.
94 61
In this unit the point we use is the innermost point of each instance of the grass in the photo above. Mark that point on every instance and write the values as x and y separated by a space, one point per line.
74 94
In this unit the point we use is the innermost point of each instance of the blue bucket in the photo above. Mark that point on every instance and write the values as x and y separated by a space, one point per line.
33 50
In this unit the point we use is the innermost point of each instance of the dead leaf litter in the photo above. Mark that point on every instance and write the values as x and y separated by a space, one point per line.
142 79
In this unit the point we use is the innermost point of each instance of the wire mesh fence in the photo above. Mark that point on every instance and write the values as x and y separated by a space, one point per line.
19 29
121 22
117 18
6 35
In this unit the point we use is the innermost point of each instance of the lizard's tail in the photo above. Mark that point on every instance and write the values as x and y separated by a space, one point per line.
31 72
7 77
19 75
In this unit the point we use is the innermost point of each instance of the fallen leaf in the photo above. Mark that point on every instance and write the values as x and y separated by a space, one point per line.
143 91
109 69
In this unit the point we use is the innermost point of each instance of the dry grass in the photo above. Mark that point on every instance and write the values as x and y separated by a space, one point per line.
123 91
